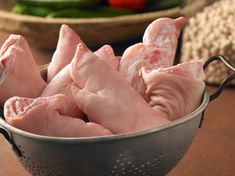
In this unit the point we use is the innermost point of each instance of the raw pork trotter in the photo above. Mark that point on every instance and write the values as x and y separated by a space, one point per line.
66 46
19 74
107 54
45 116
61 82
157 50
175 91
107 98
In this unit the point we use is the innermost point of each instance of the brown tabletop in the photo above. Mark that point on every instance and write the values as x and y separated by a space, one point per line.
211 153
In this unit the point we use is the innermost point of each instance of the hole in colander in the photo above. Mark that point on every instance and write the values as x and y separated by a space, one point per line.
37 169
124 166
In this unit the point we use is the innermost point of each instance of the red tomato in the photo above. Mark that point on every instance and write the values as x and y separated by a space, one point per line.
129 4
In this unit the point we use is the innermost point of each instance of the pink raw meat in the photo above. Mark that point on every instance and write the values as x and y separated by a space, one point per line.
61 82
157 50
45 116
65 50
19 74
107 54
175 91
164 33
136 57
107 98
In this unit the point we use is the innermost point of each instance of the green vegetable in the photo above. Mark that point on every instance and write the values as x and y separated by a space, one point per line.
163 4
82 8
32 10
89 13
60 3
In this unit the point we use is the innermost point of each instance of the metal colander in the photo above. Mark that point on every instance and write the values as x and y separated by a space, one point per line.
147 153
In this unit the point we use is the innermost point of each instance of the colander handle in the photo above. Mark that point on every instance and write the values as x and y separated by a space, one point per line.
6 134
227 80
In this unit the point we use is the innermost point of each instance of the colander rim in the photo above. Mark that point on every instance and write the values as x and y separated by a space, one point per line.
180 121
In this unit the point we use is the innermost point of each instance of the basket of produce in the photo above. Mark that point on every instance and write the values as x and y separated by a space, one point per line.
98 22
90 113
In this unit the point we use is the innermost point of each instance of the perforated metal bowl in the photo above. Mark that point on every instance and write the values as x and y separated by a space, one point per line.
147 153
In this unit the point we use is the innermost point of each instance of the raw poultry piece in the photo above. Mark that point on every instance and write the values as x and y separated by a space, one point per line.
61 82
157 50
175 91
45 116
107 98
65 50
19 74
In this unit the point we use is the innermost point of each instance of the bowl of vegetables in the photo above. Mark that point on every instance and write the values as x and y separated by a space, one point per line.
98 22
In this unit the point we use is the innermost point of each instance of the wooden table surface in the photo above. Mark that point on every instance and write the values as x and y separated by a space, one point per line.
212 152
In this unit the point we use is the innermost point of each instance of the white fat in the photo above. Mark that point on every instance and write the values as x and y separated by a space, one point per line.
8 53
163 38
